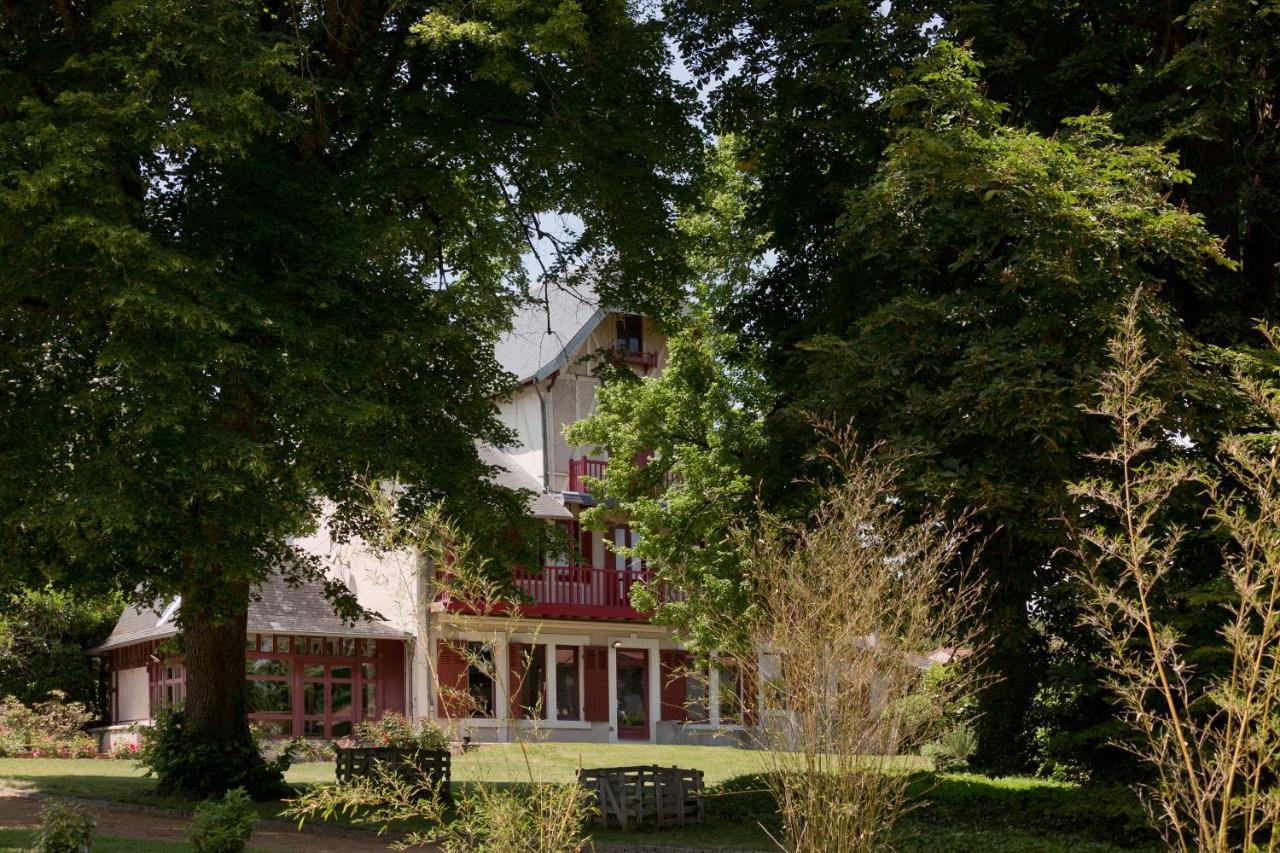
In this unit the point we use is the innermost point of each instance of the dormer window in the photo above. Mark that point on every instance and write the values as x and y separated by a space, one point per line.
630 339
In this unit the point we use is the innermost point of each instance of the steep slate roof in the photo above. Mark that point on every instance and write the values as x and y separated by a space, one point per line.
546 332
512 476
282 609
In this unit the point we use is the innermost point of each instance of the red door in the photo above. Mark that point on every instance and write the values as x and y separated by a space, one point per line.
633 694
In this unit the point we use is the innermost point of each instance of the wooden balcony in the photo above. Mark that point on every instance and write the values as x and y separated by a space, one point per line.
582 592
580 468
570 592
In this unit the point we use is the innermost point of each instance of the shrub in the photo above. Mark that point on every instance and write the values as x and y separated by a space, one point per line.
395 730
205 770
124 751
223 825
51 727
43 635
64 828
951 752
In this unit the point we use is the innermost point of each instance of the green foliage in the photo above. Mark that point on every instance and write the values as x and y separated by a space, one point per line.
49 728
678 446
64 828
253 254
530 817
223 824
43 637
951 752
392 729
207 769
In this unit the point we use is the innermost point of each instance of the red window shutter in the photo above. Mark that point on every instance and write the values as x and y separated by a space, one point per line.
595 683
516 665
451 679
675 685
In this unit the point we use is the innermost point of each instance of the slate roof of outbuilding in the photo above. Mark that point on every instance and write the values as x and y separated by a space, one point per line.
281 609
546 332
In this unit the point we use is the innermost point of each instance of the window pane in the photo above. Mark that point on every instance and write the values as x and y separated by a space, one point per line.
369 670
313 698
266 666
349 647
317 646
282 645
369 702
269 697
273 728
313 670
335 646
480 680
730 695
266 644
567 683
532 689
251 643
697 698
340 672
340 699
313 728
369 648
340 728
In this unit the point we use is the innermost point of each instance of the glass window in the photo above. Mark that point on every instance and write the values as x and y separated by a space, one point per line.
282 645
340 672
480 680
729 695
317 646
567 683
533 704
313 728
630 337
266 666
266 644
335 646
369 648
349 647
698 710
340 728
251 643
269 697
274 728
313 670
313 697
340 699
369 670
369 702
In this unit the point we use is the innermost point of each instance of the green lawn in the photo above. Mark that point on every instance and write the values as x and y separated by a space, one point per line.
22 840
957 812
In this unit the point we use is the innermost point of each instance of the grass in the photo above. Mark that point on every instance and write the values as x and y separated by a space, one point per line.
21 840
957 812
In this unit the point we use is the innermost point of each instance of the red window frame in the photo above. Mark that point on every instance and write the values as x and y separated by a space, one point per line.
319 662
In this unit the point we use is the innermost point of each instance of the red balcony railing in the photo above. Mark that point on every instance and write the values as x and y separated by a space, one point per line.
581 591
580 468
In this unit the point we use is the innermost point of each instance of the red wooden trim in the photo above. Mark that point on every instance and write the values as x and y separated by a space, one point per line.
595 682
451 675
675 684
517 670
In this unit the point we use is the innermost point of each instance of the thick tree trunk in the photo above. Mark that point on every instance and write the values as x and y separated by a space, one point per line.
1014 662
213 651
214 751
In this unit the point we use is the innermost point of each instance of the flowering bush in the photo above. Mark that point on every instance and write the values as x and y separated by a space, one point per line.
124 751
49 728
396 731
